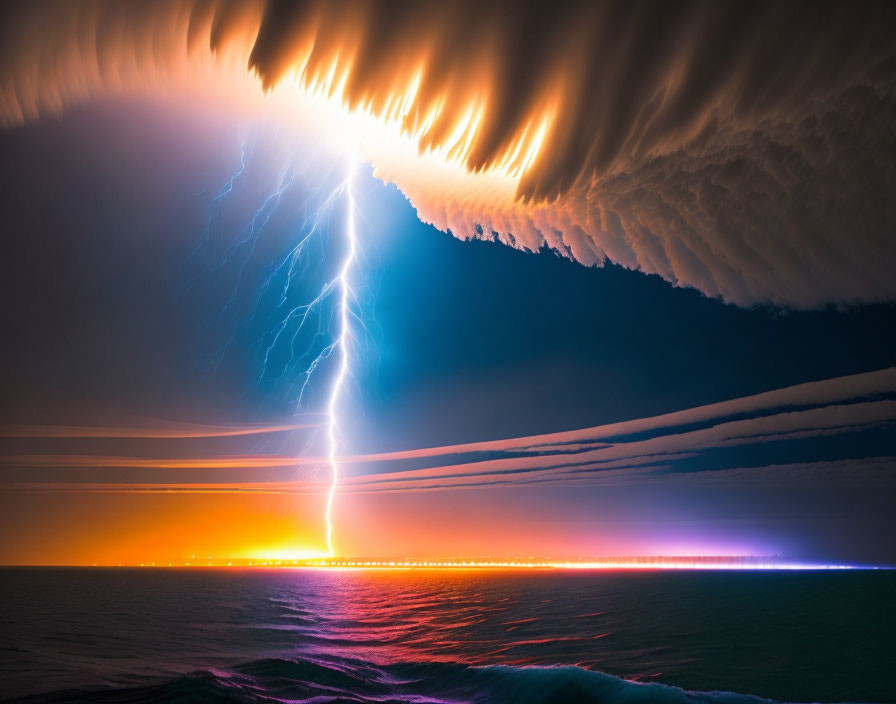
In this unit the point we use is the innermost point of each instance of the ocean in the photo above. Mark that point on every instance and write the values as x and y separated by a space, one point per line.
284 635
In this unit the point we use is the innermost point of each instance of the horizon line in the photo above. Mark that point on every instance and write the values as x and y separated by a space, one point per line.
632 563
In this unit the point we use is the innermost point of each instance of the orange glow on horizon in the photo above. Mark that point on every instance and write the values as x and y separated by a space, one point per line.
138 529
95 508
292 559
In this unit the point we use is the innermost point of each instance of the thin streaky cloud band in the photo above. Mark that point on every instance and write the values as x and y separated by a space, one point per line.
858 411
174 433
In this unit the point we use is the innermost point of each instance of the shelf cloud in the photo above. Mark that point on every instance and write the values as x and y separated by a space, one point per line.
745 149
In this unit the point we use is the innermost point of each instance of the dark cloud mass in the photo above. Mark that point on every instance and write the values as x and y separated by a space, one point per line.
746 149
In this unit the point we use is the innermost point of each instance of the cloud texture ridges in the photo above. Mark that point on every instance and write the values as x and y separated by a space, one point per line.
741 148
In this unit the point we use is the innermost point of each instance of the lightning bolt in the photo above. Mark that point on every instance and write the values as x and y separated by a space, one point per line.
341 344
306 331
214 208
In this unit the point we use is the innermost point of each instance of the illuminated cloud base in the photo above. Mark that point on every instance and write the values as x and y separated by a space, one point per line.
661 137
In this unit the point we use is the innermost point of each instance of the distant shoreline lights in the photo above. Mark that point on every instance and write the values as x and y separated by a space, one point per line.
720 562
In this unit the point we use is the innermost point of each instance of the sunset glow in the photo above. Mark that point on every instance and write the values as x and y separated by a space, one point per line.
296 560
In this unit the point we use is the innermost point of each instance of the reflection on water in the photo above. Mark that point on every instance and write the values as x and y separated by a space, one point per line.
794 636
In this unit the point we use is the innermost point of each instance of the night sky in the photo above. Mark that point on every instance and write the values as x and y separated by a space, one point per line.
116 313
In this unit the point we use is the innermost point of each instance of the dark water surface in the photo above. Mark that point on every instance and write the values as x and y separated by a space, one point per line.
122 635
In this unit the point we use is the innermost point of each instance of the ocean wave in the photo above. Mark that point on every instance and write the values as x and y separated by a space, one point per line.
273 680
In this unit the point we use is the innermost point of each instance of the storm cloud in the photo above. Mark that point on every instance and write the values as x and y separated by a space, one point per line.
745 149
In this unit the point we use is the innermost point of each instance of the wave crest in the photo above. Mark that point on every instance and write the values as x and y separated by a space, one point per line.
323 682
